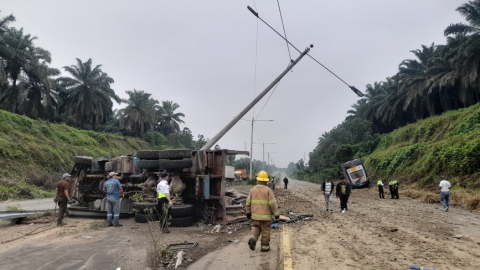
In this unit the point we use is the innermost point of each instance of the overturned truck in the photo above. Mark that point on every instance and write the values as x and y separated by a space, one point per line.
197 186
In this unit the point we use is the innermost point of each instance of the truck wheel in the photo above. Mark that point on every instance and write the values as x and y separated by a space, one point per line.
83 160
183 210
140 207
143 218
182 221
147 164
147 154
175 154
174 164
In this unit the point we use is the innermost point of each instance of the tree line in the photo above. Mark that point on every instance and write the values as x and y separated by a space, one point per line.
440 78
30 86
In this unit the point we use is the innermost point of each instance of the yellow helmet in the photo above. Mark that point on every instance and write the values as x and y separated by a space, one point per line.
262 176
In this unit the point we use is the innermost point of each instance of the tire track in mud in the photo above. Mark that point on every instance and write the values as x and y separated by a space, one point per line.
389 234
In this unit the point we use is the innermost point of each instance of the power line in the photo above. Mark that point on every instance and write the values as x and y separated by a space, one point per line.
268 99
353 88
283 25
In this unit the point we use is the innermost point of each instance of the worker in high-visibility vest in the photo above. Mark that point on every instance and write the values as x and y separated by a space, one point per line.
261 207
164 201
395 189
390 187
380 189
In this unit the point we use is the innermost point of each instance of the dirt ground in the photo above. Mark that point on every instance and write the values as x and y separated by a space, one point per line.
89 244
374 233
379 233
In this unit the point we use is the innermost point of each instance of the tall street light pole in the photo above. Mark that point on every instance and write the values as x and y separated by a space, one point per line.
263 160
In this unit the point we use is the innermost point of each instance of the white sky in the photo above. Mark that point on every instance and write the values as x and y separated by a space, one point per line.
201 55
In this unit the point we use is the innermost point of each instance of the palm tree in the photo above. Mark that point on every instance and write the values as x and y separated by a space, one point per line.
89 93
22 57
3 53
168 119
140 114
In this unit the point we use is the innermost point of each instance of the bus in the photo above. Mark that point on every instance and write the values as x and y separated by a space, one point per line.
355 172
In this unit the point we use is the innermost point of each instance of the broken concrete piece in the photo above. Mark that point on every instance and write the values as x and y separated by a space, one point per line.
216 229
179 258
284 218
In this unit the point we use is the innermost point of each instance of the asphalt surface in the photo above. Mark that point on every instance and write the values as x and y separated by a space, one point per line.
29 205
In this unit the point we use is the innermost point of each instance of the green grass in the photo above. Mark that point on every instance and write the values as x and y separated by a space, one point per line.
35 153
447 145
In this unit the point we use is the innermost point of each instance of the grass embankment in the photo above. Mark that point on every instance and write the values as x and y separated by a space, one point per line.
34 153
421 153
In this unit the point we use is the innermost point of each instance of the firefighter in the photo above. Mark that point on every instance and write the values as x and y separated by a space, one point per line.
380 189
390 187
261 207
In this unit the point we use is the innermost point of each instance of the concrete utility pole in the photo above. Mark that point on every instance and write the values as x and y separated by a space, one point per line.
263 160
222 132
251 147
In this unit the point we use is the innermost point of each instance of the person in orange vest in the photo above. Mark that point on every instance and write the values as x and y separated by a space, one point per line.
261 207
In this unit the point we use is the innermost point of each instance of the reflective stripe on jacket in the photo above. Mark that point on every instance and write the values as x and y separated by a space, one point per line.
261 203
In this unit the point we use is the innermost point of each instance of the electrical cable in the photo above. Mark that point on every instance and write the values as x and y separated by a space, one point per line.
258 136
283 25
353 88
268 99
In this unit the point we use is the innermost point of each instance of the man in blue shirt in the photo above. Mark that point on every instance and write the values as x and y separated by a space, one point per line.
114 190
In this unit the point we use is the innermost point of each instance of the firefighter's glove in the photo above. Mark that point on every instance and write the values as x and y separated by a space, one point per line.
249 216
55 200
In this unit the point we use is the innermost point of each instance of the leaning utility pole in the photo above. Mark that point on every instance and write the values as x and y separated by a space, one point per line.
222 132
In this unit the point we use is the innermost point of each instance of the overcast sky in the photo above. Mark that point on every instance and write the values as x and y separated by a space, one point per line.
205 56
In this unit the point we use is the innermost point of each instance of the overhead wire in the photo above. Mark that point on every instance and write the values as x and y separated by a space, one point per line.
268 99
354 89
285 32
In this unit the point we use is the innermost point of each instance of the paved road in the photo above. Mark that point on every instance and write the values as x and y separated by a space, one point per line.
30 205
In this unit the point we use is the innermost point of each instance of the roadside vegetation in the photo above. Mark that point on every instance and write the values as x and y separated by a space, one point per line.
418 125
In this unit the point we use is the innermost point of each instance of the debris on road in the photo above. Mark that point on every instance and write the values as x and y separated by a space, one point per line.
216 229
458 236
182 246
420 268
284 218
394 230
275 225
179 258
234 241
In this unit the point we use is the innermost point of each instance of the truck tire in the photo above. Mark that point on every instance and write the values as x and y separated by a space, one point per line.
183 210
147 164
140 207
148 154
175 154
83 160
166 164
182 221
142 218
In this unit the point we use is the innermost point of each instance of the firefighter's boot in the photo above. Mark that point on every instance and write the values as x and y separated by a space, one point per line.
265 248
252 242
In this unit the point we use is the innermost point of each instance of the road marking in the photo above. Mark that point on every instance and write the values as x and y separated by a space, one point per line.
287 255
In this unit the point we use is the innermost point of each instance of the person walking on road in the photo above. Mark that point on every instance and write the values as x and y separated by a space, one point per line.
390 187
285 181
261 207
344 190
273 182
63 197
114 191
380 189
445 194
164 201
327 190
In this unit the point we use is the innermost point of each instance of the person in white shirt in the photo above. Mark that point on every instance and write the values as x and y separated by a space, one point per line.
163 193
327 190
445 194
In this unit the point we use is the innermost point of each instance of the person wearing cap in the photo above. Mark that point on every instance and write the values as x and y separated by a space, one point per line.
344 190
114 191
261 206
163 191
63 197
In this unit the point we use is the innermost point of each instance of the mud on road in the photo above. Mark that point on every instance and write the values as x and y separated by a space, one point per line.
378 233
